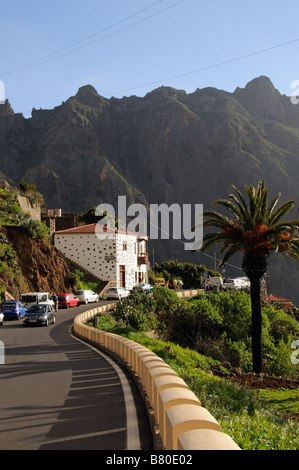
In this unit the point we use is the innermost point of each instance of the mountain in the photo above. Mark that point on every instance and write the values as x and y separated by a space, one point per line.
167 147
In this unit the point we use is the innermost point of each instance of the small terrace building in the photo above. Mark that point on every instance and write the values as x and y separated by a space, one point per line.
108 254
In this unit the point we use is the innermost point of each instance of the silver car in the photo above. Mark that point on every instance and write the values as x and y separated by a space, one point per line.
116 293
1 318
86 296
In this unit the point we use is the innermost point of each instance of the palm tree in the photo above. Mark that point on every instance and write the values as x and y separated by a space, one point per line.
256 230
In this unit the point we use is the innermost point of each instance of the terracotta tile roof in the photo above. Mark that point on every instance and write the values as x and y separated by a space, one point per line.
275 298
95 228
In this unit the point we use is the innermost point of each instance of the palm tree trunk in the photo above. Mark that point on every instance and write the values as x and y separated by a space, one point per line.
256 309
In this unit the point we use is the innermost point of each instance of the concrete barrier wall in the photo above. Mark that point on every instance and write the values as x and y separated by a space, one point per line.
189 293
183 424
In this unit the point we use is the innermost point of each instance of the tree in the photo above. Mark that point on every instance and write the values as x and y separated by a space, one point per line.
256 230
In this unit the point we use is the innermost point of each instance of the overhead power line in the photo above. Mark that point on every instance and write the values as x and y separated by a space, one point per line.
64 51
202 69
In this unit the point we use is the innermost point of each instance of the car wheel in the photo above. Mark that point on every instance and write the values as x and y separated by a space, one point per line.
86 301
97 299
47 322
67 305
54 320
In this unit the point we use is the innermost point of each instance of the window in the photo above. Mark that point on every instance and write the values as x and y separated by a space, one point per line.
125 246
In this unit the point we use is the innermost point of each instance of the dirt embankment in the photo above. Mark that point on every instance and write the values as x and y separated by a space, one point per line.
41 266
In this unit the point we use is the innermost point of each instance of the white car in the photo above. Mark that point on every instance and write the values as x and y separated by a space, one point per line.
1 318
86 296
116 293
234 284
142 287
34 298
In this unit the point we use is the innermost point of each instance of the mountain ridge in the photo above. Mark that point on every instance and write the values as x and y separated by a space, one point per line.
167 147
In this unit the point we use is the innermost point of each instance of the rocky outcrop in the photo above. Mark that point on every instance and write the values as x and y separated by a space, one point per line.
42 268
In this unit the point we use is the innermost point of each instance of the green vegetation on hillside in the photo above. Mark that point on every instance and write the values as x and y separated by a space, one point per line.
218 326
11 215
191 274
255 422
79 281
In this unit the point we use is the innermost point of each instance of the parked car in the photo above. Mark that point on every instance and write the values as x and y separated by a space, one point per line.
116 293
142 287
86 296
68 300
1 318
13 309
234 284
216 281
40 314
33 298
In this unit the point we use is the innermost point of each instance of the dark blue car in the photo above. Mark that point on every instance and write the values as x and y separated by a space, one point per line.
13 310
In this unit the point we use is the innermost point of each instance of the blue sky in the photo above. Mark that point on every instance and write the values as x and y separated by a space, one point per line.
130 47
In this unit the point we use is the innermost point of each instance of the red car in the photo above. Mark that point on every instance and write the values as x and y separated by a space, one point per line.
67 301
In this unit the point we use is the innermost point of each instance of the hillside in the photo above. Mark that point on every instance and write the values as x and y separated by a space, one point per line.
168 147
41 268
28 260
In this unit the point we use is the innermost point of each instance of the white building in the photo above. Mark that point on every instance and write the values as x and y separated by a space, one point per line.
108 254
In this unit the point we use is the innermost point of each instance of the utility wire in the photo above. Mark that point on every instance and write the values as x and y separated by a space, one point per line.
218 64
54 55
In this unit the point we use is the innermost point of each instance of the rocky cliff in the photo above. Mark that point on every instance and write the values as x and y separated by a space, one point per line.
168 147
42 269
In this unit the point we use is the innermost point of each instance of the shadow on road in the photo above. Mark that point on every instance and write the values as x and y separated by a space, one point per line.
94 414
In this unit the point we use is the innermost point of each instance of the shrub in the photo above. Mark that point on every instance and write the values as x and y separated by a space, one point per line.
218 326
35 229
136 310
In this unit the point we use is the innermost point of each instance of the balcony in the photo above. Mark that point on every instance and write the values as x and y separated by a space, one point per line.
143 258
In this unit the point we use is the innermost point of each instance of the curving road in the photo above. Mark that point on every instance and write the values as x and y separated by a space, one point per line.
57 393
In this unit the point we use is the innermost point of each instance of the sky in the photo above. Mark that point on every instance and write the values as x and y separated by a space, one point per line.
131 47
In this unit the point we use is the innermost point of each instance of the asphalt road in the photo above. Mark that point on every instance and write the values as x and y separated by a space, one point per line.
57 393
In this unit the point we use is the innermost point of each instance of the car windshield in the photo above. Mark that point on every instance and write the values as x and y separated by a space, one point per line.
61 297
37 309
80 292
28 298
8 304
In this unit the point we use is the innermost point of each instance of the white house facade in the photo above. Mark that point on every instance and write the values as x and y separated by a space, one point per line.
108 254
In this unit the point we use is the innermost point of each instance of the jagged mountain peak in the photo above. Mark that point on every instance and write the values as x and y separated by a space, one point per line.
89 96
262 83
5 108
87 90
262 99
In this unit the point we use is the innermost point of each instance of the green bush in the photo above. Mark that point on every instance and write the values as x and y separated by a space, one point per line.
218 326
35 229
136 310
279 330
9 267
190 274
